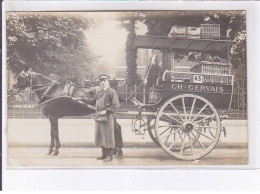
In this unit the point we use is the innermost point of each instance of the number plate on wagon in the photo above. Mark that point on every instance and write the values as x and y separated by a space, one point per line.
197 78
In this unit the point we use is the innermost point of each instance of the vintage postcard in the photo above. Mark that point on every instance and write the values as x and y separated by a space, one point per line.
126 88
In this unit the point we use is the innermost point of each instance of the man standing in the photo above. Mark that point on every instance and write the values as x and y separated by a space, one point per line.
107 103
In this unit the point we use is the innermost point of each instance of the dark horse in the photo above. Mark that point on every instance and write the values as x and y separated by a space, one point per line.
56 99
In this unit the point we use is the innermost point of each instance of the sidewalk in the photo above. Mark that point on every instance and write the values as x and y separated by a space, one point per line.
133 157
80 133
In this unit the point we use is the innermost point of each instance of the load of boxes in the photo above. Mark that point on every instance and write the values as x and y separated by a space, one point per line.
208 67
209 74
211 70
205 31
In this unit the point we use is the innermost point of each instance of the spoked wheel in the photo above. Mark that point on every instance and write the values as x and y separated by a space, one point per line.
151 131
188 127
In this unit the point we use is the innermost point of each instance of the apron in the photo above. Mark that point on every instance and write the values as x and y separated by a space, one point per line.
104 132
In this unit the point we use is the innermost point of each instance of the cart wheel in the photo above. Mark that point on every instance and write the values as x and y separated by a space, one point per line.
151 131
183 129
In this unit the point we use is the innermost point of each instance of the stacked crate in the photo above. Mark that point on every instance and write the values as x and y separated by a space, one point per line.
205 31
214 72
214 68
171 76
210 31
185 32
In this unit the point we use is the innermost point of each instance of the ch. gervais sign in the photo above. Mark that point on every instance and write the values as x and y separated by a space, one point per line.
198 87
207 88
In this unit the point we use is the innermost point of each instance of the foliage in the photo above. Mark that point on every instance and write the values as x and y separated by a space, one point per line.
49 43
160 23
131 54
232 23
128 20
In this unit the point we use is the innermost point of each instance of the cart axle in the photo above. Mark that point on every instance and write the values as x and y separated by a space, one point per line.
187 127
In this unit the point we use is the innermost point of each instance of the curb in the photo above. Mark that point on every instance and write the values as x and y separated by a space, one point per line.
233 145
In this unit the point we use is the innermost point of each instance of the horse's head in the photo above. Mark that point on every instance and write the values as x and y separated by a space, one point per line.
23 79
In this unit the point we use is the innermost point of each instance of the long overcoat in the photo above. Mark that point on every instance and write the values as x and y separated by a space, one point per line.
104 132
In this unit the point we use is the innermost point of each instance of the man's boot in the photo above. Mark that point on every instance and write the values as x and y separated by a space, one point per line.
115 151
119 152
103 156
109 154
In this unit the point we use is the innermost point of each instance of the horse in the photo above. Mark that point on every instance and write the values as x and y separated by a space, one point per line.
57 100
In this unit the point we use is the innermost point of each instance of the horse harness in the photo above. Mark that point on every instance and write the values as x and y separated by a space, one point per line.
68 89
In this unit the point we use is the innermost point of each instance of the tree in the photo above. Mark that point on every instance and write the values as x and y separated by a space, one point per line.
232 24
49 43
129 20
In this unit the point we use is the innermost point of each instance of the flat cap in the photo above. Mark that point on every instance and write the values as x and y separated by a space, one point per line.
104 76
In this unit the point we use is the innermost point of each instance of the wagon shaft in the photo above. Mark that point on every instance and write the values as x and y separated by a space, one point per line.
154 114
136 113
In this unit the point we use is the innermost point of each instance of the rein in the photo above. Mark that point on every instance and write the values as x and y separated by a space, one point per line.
50 84
80 89
46 86
42 86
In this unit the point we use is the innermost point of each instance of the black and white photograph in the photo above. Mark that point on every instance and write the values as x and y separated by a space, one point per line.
126 88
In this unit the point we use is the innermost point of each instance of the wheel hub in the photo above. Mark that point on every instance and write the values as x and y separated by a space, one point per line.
187 127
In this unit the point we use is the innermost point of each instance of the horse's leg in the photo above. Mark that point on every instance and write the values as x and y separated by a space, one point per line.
56 137
52 137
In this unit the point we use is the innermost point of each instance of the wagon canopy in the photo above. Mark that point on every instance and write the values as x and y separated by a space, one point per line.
169 43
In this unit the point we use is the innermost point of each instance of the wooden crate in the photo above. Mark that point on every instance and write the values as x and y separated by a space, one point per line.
210 31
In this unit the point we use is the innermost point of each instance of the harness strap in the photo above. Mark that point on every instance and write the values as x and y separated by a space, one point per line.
42 85
41 88
69 98
46 91
44 76
68 89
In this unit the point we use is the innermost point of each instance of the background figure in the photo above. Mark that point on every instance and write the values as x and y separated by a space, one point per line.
118 139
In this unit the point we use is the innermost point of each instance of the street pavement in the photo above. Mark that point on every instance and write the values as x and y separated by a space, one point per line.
28 142
81 133
133 157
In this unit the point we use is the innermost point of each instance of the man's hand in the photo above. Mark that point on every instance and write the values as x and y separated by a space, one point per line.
103 112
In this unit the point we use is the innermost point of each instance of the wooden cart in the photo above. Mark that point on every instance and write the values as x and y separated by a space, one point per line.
186 108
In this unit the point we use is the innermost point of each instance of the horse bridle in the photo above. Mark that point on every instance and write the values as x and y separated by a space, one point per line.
29 79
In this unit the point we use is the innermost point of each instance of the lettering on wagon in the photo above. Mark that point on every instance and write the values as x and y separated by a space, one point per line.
198 88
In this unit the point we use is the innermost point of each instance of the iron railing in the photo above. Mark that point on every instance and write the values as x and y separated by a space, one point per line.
26 104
